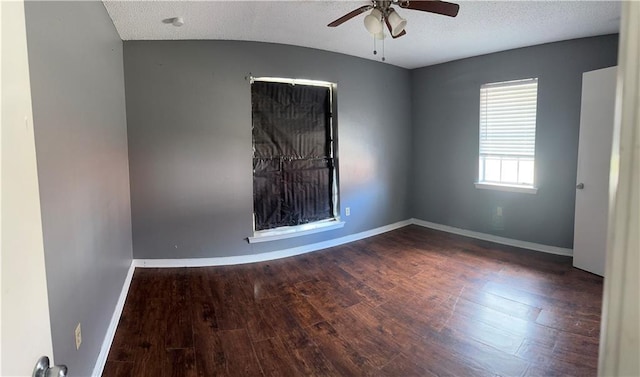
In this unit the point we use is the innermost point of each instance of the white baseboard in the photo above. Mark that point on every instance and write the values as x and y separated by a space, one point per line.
242 259
263 257
113 325
497 239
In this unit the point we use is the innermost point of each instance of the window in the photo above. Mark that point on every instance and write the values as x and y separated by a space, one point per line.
294 165
508 135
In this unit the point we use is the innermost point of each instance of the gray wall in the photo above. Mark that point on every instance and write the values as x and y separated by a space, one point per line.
445 112
77 85
189 127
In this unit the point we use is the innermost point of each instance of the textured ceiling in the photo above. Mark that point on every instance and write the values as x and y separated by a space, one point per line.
481 26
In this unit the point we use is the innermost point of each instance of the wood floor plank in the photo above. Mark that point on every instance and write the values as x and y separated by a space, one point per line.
275 358
365 337
231 301
538 281
258 324
308 357
203 315
401 334
326 297
305 313
438 280
372 273
311 360
363 291
179 333
431 356
181 363
470 261
384 255
569 322
208 350
535 353
118 369
410 302
238 352
150 357
199 280
500 304
427 311
343 356
564 367
497 338
586 345
209 355
503 289
543 371
518 327
401 365
484 356
128 332
266 280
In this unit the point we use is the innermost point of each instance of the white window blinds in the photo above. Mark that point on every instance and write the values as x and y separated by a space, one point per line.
508 118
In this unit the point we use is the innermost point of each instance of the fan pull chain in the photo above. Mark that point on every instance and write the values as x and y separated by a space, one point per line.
383 59
374 45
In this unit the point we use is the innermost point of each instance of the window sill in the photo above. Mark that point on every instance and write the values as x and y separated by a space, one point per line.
503 187
295 231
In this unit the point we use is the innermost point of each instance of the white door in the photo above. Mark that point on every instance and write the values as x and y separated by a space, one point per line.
594 157
26 329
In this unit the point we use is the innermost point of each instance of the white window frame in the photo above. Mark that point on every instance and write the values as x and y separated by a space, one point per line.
503 185
335 222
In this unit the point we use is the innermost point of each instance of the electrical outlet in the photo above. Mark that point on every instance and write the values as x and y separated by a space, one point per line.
347 211
497 219
78 336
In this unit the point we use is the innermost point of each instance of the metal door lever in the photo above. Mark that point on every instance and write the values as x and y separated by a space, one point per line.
43 369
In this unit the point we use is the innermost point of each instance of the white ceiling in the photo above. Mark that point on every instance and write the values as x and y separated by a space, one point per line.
481 27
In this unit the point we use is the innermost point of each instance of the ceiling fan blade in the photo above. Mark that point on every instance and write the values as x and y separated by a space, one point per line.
350 15
433 6
403 32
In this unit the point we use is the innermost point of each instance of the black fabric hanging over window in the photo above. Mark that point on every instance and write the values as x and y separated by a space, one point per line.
292 160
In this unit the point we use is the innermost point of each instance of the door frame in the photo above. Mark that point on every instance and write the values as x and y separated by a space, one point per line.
25 325
620 332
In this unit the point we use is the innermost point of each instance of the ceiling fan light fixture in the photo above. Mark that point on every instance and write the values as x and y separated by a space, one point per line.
373 21
380 35
397 23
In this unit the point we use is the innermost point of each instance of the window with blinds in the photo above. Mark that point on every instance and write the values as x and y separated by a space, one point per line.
508 132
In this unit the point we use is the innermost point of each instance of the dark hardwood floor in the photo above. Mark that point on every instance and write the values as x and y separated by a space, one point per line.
411 302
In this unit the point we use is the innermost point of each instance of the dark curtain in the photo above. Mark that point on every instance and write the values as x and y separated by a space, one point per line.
292 164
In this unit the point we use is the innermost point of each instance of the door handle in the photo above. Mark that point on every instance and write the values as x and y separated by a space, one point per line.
43 369
580 186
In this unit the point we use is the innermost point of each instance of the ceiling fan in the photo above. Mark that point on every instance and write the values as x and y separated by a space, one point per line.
383 13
